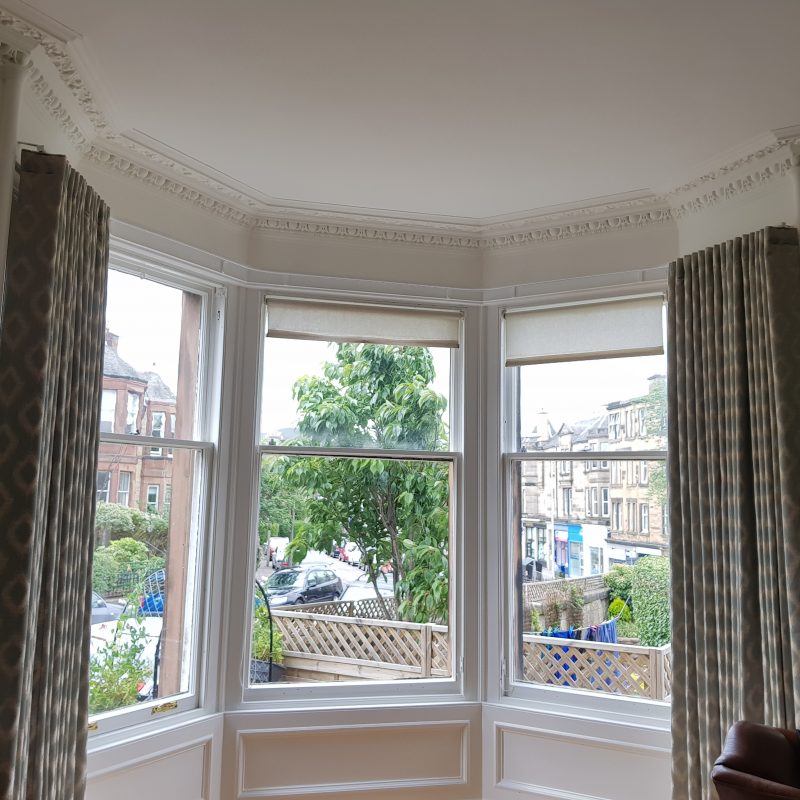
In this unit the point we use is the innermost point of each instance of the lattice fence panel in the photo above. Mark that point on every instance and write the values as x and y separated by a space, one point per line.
615 668
384 642
667 673
369 608
440 651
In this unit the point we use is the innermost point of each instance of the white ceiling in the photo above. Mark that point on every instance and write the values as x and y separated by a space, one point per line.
461 108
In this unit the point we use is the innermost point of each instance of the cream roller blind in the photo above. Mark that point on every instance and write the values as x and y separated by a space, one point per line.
340 322
590 330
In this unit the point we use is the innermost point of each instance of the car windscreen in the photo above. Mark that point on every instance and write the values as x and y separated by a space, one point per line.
285 579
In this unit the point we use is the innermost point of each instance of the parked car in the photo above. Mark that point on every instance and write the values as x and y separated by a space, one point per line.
361 591
103 611
306 584
351 553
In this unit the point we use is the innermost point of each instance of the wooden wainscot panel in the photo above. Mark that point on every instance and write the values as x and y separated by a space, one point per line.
550 764
177 775
296 761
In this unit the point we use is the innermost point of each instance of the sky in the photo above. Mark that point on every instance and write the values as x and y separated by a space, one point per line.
146 316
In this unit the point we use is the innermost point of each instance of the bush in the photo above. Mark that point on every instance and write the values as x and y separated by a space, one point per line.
117 669
627 630
121 566
618 579
536 622
651 593
261 643
573 603
619 607
551 609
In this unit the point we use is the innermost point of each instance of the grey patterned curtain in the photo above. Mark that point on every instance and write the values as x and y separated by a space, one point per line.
734 479
51 346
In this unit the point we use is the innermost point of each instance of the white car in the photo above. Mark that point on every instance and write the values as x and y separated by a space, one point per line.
352 554
361 592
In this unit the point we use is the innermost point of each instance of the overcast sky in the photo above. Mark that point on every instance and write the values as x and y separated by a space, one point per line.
146 317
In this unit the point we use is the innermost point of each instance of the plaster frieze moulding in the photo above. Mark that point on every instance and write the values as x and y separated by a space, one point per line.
113 150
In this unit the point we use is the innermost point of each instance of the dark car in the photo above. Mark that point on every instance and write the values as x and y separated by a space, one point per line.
306 584
103 611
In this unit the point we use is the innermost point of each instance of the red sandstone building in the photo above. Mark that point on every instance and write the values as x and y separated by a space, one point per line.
134 402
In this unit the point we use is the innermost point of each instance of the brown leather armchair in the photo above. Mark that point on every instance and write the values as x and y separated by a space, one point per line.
758 763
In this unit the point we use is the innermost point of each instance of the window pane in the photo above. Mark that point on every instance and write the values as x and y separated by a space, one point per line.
143 577
151 357
355 395
608 404
573 564
354 564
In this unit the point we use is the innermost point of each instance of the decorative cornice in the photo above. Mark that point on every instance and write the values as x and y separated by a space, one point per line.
51 101
63 64
109 149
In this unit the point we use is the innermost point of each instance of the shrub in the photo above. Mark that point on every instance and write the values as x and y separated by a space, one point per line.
261 643
618 607
551 609
618 579
121 566
573 604
627 630
651 592
536 622
117 669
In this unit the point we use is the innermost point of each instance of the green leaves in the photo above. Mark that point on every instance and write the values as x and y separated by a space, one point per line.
651 593
370 396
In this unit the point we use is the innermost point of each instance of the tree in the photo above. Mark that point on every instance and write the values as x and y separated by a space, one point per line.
282 506
395 510
112 520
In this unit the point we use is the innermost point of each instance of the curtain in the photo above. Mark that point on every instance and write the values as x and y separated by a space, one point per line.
51 346
734 482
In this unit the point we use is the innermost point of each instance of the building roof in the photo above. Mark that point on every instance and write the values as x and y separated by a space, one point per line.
157 391
116 367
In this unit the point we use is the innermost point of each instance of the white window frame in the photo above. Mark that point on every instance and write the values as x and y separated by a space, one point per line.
133 406
152 505
107 490
108 401
512 691
289 696
604 502
147 263
157 451
126 492
644 517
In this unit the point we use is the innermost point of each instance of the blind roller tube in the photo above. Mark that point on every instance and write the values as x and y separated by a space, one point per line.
339 322
580 332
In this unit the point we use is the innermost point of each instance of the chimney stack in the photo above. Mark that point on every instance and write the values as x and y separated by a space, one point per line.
112 340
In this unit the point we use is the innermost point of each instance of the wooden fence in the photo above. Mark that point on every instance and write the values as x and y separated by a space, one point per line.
358 647
616 668
369 608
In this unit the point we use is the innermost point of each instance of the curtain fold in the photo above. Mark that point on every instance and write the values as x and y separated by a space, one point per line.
51 351
734 481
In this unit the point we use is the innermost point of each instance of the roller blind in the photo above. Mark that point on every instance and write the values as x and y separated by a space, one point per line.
339 322
591 330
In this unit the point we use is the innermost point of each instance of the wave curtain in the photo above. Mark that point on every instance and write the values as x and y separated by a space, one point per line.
51 350
734 482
